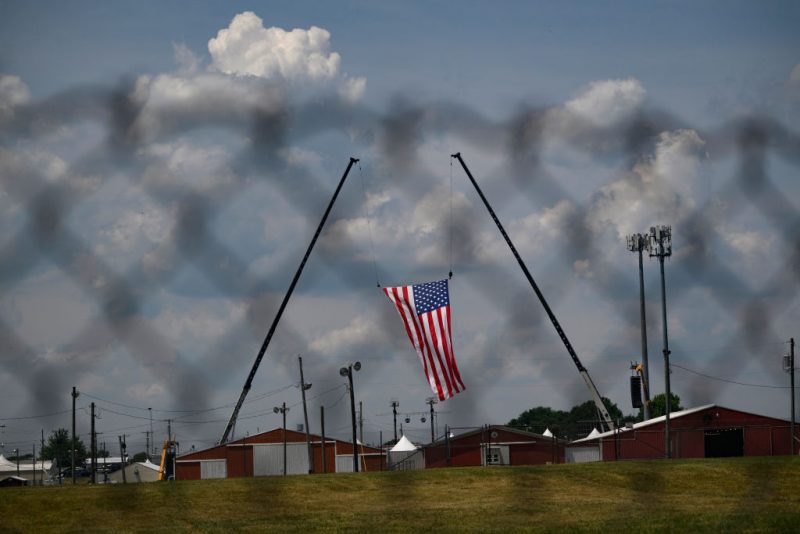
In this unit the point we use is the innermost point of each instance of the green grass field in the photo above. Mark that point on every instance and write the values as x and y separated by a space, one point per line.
743 494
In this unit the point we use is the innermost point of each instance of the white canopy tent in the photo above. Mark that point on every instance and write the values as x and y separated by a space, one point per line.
406 456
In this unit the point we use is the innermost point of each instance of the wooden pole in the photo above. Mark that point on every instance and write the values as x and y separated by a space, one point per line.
322 425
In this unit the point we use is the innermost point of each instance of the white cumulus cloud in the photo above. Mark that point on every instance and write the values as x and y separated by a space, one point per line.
247 47
658 188
605 102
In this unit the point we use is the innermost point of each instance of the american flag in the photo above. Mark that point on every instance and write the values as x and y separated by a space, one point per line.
425 310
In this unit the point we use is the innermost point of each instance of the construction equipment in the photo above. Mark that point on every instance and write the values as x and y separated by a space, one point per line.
169 452
598 401
249 382
639 381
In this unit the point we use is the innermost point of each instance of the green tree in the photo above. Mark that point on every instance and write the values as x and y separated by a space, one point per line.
658 405
139 457
58 448
577 422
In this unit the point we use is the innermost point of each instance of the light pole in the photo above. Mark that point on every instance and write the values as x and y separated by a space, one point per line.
348 372
282 410
661 247
639 243
16 455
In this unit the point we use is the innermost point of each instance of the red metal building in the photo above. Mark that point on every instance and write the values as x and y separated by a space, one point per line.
262 455
703 432
495 445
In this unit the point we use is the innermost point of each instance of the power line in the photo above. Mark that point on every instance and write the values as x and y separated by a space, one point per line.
20 418
729 381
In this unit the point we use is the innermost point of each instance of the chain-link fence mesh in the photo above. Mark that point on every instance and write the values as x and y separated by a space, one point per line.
124 208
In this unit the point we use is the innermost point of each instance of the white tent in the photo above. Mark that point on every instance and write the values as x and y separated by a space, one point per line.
547 433
26 470
406 456
136 472
403 445
593 434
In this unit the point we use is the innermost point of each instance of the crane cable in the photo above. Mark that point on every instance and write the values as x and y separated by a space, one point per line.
450 274
369 226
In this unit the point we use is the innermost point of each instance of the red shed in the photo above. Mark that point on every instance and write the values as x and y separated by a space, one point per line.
262 454
495 445
704 432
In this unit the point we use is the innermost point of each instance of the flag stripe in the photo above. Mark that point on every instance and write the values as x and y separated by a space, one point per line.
448 355
401 305
455 367
436 384
391 292
437 347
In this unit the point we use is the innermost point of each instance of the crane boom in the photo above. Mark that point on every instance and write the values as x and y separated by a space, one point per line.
249 382
601 407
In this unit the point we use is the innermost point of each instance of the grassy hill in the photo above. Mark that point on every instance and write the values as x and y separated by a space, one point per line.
750 494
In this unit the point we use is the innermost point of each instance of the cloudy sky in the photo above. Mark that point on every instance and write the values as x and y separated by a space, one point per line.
163 168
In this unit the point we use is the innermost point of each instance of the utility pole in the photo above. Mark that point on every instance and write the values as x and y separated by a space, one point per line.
147 441
791 363
282 410
661 241
639 243
33 463
431 401
153 452
788 366
94 450
447 445
72 448
348 372
122 447
303 388
42 456
361 422
395 404
322 425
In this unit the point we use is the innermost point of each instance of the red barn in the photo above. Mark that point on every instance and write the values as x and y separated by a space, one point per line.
495 445
262 455
703 432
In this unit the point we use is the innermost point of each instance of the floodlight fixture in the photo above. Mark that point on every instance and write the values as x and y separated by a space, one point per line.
343 371
357 366
422 419
276 409
638 242
660 241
